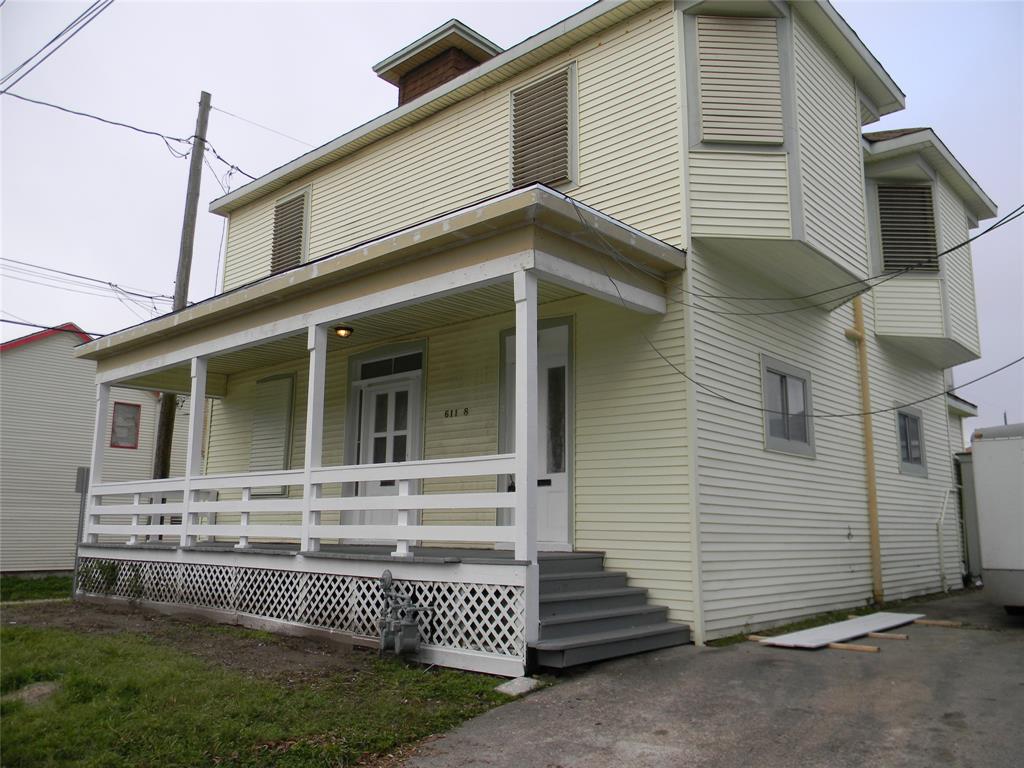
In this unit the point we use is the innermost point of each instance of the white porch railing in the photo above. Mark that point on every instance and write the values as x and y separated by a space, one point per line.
201 510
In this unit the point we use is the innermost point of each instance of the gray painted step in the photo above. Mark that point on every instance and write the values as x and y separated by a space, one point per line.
565 603
555 583
568 652
575 624
569 562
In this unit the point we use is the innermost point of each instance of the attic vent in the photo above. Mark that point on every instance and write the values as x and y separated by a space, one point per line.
541 122
907 222
740 87
289 233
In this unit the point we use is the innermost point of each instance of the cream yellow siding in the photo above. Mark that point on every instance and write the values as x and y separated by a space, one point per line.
740 83
630 489
628 154
957 268
830 156
739 194
910 305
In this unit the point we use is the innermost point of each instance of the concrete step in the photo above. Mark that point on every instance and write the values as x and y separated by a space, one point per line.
582 649
591 622
563 603
569 562
555 583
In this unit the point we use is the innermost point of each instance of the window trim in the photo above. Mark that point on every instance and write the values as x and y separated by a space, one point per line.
306 193
573 171
906 467
778 444
113 423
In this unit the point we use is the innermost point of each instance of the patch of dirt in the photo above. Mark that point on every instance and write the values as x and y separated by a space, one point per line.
34 693
288 660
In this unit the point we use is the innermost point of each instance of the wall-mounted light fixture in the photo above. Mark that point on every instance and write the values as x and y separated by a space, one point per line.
342 331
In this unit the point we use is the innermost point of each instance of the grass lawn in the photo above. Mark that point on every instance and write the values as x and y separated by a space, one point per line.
19 588
125 699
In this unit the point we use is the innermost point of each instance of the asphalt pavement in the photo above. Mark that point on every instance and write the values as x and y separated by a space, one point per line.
945 697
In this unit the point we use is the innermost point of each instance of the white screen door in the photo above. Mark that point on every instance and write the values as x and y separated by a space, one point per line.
553 529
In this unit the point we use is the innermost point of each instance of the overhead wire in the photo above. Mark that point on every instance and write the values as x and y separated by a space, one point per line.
51 327
93 11
48 43
760 409
264 127
131 290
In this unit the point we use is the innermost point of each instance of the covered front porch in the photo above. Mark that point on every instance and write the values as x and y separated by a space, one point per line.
409 404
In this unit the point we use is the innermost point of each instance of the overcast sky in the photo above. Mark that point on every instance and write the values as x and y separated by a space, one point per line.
104 202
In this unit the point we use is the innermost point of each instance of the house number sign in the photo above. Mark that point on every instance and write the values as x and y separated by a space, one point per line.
454 413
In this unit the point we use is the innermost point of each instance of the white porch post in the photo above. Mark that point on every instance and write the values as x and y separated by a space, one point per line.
99 445
194 449
316 343
525 284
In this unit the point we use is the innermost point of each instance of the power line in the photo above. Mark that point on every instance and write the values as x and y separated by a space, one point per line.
264 127
230 165
138 293
48 43
92 14
51 328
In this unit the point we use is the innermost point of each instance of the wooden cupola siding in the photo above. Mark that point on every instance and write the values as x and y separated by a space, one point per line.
740 86
907 223
541 121
289 233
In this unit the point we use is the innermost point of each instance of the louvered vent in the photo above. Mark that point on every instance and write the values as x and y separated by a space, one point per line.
740 88
540 131
907 221
289 231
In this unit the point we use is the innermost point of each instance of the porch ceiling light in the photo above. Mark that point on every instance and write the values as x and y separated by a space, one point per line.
342 331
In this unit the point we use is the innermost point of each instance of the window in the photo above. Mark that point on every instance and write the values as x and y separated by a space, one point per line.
739 81
907 223
787 403
911 435
270 449
124 428
543 131
289 244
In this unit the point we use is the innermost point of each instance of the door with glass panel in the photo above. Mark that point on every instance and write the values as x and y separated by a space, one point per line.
554 409
389 433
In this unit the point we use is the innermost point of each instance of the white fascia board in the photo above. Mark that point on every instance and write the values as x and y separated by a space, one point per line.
871 77
981 205
960 407
427 104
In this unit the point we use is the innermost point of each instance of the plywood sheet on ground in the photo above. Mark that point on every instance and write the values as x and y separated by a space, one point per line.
841 631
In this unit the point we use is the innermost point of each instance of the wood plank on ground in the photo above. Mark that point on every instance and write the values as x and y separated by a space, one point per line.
841 631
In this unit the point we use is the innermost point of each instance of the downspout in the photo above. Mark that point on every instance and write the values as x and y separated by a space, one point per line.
857 335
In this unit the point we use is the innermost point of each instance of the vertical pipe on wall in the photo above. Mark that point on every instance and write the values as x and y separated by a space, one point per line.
857 335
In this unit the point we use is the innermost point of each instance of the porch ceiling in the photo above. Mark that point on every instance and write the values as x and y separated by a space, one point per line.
374 329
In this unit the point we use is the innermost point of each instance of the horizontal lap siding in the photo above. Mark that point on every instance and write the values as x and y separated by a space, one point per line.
781 536
626 97
831 158
910 306
957 269
909 506
739 194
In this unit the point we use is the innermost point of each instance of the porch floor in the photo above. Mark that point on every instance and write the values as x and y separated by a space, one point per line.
380 552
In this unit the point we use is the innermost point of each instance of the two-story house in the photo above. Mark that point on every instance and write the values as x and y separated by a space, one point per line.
624 335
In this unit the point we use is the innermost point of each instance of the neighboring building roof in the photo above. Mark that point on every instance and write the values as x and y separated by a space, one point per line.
451 34
886 145
40 335
1000 432
871 78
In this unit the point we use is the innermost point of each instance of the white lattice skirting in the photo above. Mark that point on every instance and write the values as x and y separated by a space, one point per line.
479 618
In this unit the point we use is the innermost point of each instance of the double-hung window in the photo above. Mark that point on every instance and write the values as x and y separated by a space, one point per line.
911 436
786 392
124 426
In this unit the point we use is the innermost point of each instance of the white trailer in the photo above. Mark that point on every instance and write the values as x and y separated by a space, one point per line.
999 491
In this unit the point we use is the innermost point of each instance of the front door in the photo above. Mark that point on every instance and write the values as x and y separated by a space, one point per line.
388 432
553 385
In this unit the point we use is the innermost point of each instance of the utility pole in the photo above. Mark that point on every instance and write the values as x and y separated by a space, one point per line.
168 400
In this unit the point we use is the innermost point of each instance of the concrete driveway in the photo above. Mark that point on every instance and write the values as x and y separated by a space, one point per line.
946 697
